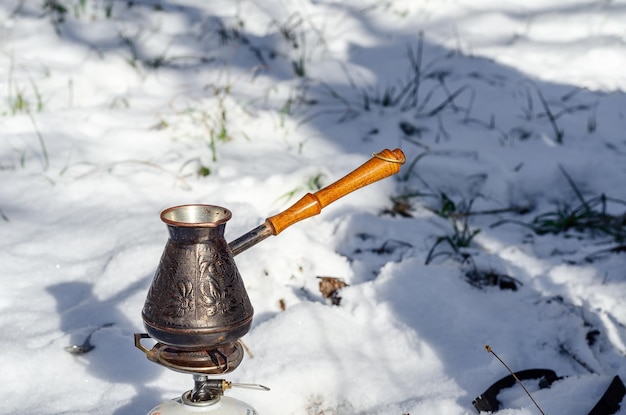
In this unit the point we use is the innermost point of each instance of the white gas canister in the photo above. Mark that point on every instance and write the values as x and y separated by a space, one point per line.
222 406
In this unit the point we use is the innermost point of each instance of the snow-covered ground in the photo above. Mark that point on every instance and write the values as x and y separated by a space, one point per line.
508 113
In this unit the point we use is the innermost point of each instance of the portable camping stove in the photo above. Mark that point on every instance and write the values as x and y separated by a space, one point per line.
207 395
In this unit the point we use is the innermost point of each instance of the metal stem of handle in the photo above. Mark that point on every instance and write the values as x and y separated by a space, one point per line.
250 239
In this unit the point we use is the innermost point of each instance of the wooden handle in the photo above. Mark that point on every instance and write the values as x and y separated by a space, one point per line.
383 164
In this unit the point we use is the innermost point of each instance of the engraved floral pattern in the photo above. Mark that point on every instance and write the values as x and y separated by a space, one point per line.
182 299
219 282
171 296
221 303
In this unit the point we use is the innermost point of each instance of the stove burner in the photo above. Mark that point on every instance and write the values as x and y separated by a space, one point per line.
223 359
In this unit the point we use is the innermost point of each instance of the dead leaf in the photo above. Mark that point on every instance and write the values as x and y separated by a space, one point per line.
329 287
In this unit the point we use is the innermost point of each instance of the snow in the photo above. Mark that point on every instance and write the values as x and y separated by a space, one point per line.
110 110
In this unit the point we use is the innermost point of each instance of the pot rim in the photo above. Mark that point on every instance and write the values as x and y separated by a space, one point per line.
196 215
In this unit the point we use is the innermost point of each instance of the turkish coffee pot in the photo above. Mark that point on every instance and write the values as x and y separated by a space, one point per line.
197 308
